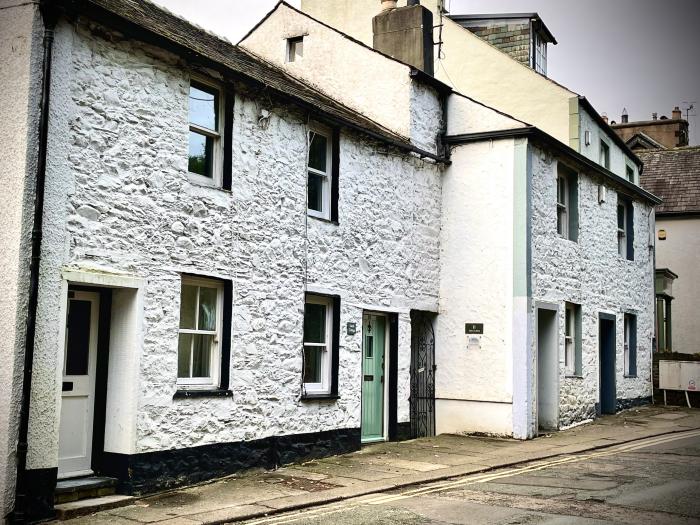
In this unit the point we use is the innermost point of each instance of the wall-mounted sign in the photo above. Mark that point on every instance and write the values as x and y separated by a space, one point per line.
352 328
474 328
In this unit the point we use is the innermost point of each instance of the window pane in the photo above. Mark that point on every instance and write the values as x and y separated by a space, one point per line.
317 151
201 154
312 364
620 217
569 323
369 347
315 323
184 347
188 304
560 220
204 107
201 355
296 49
78 341
207 308
315 192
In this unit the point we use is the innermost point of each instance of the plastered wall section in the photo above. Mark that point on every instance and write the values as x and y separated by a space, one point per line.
466 115
378 87
120 201
474 383
619 159
592 274
20 65
471 66
680 253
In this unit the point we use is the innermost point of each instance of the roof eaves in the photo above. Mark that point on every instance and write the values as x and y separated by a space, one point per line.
539 135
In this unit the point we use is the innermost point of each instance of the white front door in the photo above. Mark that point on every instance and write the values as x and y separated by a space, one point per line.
78 392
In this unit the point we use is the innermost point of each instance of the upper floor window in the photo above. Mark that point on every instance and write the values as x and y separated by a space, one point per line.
604 154
205 141
540 46
295 49
567 203
320 173
629 172
625 229
200 334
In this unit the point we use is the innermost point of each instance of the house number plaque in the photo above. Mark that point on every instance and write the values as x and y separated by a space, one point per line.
474 328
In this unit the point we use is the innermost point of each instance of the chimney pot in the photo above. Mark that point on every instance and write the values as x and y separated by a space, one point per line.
388 4
677 115
654 116
605 117
625 116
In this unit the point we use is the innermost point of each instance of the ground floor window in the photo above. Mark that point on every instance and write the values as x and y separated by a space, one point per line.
572 340
630 345
199 341
321 340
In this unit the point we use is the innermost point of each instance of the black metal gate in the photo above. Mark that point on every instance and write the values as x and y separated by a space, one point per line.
422 375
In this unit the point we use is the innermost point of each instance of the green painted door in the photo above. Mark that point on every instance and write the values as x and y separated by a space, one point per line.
373 342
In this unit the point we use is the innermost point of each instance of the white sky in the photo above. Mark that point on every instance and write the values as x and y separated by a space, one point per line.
638 54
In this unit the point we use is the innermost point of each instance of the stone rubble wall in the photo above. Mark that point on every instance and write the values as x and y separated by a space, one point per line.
591 273
120 200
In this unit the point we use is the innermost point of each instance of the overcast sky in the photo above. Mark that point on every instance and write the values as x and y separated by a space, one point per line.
643 55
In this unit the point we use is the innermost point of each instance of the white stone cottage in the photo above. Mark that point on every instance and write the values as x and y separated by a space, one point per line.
219 257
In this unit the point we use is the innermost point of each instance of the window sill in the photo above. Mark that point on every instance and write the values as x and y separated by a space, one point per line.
573 376
204 182
322 219
320 397
192 393
630 377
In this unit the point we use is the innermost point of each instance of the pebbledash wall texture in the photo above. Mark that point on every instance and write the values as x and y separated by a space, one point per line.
119 202
591 273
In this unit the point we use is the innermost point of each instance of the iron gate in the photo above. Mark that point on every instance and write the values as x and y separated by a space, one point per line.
422 375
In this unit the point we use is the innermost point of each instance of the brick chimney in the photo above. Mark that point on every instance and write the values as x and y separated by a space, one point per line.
676 115
405 33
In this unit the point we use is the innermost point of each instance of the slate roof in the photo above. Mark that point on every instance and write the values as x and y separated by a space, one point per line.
153 24
673 175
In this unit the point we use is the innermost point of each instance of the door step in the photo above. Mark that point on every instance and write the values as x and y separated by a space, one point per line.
74 489
74 509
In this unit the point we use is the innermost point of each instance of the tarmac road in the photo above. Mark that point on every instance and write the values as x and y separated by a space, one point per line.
654 480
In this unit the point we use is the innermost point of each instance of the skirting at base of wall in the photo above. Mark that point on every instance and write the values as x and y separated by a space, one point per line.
155 471
42 484
624 404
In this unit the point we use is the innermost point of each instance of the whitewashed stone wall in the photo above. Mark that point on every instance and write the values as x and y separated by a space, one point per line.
592 274
120 200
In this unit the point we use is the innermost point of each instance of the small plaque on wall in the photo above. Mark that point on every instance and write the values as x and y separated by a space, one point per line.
474 328
351 328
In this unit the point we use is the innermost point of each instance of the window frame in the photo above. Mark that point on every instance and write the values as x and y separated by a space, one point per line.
625 235
567 203
563 205
325 386
629 173
217 135
291 43
604 157
215 361
629 345
573 359
327 186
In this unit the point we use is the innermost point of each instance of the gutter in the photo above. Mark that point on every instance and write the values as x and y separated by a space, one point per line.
50 18
540 136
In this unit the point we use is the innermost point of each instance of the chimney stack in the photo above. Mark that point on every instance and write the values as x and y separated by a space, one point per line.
625 116
677 115
405 33
654 116
604 116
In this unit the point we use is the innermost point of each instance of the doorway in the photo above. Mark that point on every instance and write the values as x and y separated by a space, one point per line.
547 370
75 440
374 366
606 338
422 400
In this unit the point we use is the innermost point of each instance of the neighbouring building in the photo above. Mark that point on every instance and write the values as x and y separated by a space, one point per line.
674 175
225 256
656 133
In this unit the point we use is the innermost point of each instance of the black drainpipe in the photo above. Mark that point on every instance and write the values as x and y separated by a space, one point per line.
50 17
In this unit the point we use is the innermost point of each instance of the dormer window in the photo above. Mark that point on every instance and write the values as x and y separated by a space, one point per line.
540 51
295 49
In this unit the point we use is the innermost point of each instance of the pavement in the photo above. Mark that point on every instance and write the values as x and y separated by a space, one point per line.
386 468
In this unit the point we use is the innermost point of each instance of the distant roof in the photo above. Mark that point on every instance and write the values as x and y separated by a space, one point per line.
508 16
150 23
674 175
657 122
643 141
